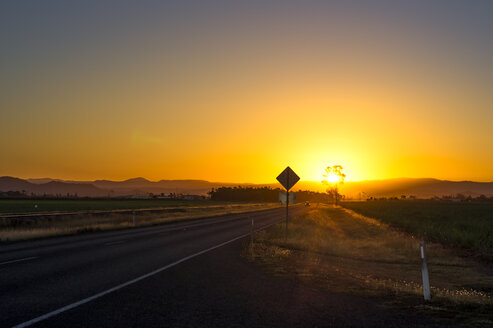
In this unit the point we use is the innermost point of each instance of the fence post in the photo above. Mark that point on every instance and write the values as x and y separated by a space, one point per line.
424 272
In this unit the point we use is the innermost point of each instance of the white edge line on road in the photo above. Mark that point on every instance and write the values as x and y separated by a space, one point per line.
130 282
19 260
200 224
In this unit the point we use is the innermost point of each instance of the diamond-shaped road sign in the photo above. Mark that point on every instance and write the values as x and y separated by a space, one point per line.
288 178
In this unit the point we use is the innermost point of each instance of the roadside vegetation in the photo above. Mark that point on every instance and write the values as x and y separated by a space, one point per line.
467 225
47 225
335 249
261 194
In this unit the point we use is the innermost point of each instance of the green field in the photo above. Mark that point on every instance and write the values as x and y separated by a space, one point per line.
28 206
467 225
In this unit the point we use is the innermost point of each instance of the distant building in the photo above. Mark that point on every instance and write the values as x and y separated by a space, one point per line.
282 197
140 197
193 197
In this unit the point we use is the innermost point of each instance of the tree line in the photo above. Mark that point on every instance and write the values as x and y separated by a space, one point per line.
262 194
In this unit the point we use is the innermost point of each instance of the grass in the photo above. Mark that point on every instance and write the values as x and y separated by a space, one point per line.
335 249
49 226
22 206
465 225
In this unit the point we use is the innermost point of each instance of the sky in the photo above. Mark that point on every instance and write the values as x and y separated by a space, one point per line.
235 91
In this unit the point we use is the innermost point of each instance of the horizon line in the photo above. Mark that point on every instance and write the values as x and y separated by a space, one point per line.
243 183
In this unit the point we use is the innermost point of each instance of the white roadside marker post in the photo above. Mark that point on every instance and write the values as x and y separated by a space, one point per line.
133 218
424 272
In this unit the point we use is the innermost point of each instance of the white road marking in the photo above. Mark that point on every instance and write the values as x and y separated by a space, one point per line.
114 243
20 260
130 282
196 225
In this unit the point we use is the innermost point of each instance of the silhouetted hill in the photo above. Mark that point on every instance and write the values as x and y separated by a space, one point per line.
14 184
42 180
143 186
46 180
81 189
421 188
50 188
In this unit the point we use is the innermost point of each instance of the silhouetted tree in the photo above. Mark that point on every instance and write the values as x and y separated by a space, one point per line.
333 177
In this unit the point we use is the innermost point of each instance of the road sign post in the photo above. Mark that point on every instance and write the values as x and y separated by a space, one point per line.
287 212
287 179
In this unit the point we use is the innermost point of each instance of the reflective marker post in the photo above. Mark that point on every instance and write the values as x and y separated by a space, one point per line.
424 272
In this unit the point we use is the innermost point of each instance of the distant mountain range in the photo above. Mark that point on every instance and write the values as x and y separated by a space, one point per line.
104 188
421 188
51 187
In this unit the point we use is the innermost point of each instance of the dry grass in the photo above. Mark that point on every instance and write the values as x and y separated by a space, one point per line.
341 251
85 223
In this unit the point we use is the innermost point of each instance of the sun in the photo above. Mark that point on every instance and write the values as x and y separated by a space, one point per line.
334 175
332 178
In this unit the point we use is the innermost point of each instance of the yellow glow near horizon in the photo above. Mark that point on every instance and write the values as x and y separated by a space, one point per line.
223 99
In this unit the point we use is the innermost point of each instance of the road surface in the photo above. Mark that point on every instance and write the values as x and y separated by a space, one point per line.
187 274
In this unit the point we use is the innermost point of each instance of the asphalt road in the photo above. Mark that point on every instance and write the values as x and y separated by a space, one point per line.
187 274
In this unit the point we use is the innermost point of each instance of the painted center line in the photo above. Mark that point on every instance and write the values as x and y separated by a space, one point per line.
19 260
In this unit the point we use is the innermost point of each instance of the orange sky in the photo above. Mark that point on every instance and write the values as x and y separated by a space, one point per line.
239 92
